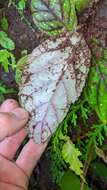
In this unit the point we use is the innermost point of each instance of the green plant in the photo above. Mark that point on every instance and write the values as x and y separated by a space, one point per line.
99 169
49 19
97 86
61 140
71 156
7 58
6 42
81 4
4 23
91 147
4 90
56 17
70 181
20 5
72 148
19 67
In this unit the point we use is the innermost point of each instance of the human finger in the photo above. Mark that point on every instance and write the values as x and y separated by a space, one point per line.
8 105
11 174
9 146
12 122
30 155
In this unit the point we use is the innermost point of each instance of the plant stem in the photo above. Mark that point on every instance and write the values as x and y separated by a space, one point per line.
89 155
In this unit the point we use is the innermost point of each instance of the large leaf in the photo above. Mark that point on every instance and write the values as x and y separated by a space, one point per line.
6 42
52 79
70 181
96 92
54 16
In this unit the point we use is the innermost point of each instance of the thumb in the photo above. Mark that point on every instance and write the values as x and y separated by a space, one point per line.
12 122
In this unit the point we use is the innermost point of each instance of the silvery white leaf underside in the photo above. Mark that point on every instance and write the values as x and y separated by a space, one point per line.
52 79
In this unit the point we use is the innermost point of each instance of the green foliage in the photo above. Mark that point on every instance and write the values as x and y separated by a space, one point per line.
99 131
77 143
70 155
21 5
4 24
81 4
6 42
7 59
96 92
70 181
94 98
53 17
101 154
61 138
19 67
4 90
57 162
99 169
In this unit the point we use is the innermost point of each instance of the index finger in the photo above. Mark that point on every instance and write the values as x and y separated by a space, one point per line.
12 122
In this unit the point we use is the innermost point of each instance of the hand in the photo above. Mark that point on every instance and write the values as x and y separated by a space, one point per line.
15 175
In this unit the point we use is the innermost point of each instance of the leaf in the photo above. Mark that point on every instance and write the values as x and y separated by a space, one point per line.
97 134
70 155
100 169
52 79
81 4
21 5
70 181
6 42
19 67
4 24
96 91
5 90
101 154
6 59
53 16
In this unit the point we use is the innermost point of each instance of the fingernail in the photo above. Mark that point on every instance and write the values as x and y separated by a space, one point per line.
9 105
21 113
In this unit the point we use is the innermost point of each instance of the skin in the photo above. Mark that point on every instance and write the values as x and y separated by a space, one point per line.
15 175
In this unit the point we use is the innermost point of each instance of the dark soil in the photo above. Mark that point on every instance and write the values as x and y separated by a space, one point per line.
26 37
22 34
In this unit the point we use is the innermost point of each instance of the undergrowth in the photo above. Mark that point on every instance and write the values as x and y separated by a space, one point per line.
79 141
7 57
